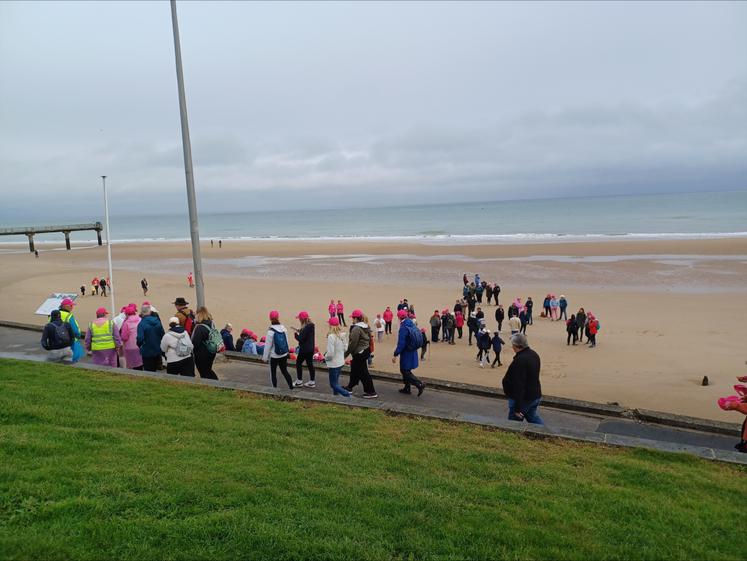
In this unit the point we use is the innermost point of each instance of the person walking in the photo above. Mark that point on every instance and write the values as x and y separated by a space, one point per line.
103 284
57 339
190 280
335 356
483 345
496 292
409 340
581 324
305 337
472 326
128 334
497 344
82 290
276 350
66 315
523 320
499 316
144 286
572 330
341 313
514 324
204 350
521 384
227 335
177 346
450 327
562 305
388 316
149 335
95 286
459 322
479 290
593 330
435 322
359 347
489 292
424 348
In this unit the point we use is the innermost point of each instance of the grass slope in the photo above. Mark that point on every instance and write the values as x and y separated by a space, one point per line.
96 466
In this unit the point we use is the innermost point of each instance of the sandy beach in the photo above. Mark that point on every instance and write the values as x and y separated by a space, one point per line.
671 311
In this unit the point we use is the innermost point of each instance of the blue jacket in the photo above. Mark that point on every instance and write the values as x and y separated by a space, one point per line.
408 360
227 339
497 343
149 335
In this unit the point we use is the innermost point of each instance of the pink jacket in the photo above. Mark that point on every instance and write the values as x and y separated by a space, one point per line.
388 315
128 332
332 309
340 308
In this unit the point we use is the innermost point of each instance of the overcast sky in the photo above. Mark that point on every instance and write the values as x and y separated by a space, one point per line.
355 104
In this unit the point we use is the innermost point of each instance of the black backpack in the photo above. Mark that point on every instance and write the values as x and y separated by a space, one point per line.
61 335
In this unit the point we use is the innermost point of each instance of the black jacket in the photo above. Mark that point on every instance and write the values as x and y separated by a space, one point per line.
305 338
521 382
50 340
499 314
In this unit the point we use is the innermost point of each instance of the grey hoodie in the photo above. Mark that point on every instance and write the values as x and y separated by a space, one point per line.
360 338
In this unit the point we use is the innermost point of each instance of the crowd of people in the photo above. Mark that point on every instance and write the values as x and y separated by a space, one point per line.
99 286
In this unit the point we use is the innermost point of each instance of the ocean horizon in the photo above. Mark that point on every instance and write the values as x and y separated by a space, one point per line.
661 216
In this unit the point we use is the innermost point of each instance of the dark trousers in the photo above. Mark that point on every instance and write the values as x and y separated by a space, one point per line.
184 367
522 329
282 362
571 334
563 315
500 324
359 372
434 333
451 335
409 378
529 317
204 363
471 333
593 339
581 334
388 327
423 351
497 359
459 329
341 317
151 363
103 291
309 359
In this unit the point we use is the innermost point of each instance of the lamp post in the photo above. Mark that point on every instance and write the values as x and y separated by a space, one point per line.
113 311
187 148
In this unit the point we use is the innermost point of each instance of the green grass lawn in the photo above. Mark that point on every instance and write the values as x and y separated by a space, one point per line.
97 466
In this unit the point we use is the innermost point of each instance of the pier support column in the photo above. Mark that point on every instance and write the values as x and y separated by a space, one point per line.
31 242
67 239
98 234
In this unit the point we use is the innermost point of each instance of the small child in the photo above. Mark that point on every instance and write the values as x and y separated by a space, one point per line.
82 290
424 348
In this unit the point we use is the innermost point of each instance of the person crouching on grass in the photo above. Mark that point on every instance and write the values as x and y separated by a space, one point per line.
521 384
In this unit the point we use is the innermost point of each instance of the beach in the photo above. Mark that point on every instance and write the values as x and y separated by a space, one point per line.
671 311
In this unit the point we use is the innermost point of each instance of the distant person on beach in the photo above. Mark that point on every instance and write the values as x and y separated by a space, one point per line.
359 348
459 323
95 287
388 316
334 356
546 306
499 316
276 350
514 323
66 315
521 384
185 315
444 327
529 305
483 345
341 313
82 290
202 340
102 285
523 320
177 346
190 280
471 303
380 327
36 253
581 324
332 308
593 330
554 310
479 290
424 348
144 286
211 243
128 334
57 339
472 326
496 292
497 344
149 335
489 292
458 307
227 335
220 243
450 328
571 328
409 340
477 279
562 305
103 340
465 279
306 345
435 322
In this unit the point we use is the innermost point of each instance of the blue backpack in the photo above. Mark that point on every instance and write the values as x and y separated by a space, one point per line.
280 342
414 338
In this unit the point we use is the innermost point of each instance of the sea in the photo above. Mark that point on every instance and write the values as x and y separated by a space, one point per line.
661 216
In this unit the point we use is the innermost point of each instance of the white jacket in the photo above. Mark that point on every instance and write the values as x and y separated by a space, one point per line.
270 342
168 345
336 345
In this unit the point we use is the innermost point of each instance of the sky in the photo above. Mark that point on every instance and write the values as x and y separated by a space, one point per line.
334 105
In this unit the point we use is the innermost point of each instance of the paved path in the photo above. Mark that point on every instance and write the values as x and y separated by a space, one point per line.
16 343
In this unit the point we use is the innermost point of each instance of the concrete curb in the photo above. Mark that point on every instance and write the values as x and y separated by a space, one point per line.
562 403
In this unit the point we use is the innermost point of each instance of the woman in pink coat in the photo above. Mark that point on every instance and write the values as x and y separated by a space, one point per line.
332 309
128 333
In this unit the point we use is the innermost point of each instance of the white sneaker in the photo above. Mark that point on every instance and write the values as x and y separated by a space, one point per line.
310 384
298 383
481 366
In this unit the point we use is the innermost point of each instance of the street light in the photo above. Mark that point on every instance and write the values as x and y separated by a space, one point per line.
187 147
113 311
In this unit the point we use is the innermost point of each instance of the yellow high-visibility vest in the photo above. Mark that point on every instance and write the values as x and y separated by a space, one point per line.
102 337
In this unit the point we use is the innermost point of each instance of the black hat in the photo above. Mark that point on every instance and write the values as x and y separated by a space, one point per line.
180 302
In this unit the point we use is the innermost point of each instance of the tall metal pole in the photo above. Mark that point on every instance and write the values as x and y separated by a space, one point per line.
110 284
187 146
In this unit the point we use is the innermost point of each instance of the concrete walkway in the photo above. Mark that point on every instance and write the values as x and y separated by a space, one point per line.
487 410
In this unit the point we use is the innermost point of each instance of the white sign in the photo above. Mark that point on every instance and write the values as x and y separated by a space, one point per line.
53 302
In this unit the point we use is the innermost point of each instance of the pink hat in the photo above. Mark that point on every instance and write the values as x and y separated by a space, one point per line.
246 332
263 339
356 314
130 309
101 312
274 314
302 315
402 314
146 302
334 322
67 302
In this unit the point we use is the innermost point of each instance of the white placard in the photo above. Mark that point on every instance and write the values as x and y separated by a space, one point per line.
53 302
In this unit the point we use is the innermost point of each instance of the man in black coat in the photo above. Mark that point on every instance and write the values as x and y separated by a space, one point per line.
521 384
